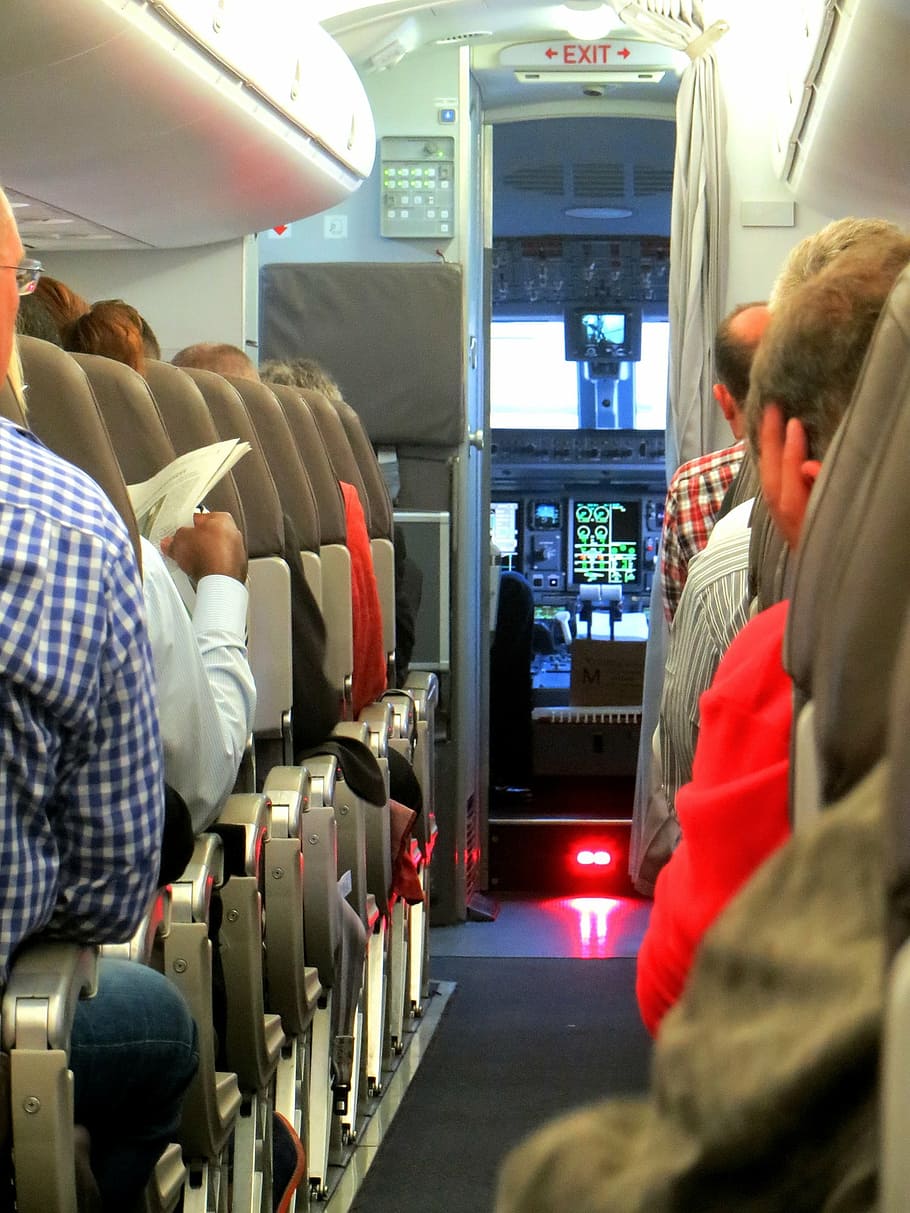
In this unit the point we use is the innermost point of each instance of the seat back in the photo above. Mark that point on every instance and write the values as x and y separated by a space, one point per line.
295 492
64 412
852 581
895 1092
768 559
190 426
255 485
11 404
381 522
745 485
131 416
373 634
344 464
382 526
334 555
269 646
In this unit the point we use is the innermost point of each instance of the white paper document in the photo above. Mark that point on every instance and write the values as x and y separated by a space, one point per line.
169 499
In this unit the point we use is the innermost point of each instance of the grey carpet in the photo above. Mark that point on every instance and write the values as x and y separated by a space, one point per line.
521 1041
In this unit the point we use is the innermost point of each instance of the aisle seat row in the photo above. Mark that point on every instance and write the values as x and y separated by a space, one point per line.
847 649
296 840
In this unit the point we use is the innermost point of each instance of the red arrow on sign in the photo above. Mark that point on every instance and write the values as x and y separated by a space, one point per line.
280 229
625 52
550 53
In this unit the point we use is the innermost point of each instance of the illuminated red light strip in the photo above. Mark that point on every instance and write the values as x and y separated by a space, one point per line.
587 858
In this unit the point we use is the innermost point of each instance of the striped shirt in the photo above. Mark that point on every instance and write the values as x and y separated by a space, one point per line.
694 498
713 608
81 785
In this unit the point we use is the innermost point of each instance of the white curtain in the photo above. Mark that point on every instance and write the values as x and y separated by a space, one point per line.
698 272
698 225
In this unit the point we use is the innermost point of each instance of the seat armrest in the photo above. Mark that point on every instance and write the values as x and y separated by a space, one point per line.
378 717
404 717
46 981
191 895
423 687
287 790
357 729
242 826
323 771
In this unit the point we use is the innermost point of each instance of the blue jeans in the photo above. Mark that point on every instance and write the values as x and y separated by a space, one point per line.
133 1053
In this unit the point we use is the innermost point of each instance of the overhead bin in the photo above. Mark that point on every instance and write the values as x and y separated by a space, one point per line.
841 142
175 124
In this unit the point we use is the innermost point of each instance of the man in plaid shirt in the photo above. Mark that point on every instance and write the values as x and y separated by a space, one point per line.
81 779
698 487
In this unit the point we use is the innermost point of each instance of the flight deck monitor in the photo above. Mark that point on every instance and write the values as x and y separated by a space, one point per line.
605 537
602 332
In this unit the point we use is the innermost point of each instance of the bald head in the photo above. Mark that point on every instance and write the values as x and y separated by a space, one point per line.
737 339
219 357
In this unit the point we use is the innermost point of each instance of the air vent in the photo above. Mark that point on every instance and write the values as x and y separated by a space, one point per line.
470 36
598 180
537 179
650 180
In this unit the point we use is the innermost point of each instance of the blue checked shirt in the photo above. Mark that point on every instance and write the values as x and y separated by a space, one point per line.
81 784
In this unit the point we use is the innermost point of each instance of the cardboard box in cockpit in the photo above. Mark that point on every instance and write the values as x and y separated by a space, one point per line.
607 672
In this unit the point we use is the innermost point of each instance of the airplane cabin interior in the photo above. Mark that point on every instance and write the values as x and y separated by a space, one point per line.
505 233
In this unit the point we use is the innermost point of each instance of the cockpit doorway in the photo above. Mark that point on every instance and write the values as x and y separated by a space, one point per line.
578 349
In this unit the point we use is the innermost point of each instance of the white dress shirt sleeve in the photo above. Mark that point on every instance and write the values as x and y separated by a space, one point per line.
206 693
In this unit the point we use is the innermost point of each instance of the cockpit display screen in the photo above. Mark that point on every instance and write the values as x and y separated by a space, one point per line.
606 543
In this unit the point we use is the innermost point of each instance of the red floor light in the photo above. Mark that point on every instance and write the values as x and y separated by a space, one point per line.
587 858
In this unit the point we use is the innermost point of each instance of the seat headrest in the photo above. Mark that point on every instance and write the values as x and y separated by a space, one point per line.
336 441
131 416
382 525
769 556
64 413
283 458
316 461
745 486
258 495
852 581
190 426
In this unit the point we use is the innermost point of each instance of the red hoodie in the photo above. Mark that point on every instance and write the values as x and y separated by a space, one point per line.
732 814
369 679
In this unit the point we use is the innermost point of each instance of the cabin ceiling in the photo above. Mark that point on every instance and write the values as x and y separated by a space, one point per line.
379 36
542 167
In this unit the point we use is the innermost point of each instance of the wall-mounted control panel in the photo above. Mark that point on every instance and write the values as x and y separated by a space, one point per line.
418 186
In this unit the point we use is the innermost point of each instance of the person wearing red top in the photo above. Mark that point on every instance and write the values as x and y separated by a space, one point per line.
735 811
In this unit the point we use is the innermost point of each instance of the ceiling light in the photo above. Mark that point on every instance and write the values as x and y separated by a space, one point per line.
586 20
599 212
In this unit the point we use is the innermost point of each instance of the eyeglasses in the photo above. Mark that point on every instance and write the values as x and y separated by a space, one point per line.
27 274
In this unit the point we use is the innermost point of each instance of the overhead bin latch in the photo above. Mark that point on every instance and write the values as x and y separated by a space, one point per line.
475 439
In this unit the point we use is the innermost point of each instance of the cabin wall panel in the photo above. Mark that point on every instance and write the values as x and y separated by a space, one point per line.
405 101
186 295
750 60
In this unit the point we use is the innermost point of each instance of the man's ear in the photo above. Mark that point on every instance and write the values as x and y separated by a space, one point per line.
798 474
726 402
771 436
